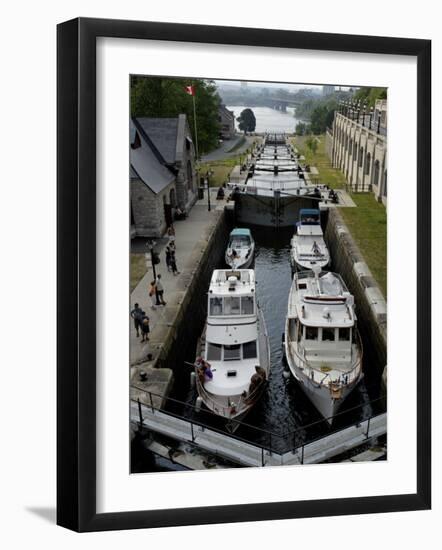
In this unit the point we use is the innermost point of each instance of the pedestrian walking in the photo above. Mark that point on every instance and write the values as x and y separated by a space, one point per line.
137 315
173 264
171 232
172 246
168 256
145 329
153 294
160 291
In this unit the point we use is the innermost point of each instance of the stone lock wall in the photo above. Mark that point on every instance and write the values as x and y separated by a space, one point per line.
371 307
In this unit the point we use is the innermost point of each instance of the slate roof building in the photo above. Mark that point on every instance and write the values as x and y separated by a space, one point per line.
162 173
226 120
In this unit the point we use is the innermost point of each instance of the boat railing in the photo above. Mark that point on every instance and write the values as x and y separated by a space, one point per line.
345 378
222 411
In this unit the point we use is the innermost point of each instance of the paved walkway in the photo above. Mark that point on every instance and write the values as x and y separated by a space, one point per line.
223 152
188 236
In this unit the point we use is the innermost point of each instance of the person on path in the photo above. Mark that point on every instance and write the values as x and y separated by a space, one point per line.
153 294
173 264
168 257
171 232
137 315
160 291
172 246
145 329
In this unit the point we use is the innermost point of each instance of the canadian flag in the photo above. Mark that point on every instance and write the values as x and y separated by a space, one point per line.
190 90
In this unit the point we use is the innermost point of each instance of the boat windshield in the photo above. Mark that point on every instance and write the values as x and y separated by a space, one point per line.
231 305
239 241
310 218
236 352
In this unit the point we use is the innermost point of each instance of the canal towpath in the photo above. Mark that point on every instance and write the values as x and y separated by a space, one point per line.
189 234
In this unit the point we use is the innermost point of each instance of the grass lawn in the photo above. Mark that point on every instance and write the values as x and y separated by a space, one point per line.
220 168
137 269
327 174
368 225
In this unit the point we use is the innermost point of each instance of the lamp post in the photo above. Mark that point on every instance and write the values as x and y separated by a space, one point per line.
207 182
364 107
151 245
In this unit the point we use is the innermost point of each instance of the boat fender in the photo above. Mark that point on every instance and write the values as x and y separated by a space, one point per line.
198 404
192 379
286 374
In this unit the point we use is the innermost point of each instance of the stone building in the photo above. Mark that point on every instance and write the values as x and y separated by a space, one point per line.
226 120
357 145
162 173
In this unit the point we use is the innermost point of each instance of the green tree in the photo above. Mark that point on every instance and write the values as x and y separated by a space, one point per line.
320 112
166 97
247 121
312 144
301 129
370 95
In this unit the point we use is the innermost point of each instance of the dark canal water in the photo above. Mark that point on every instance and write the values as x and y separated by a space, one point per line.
284 417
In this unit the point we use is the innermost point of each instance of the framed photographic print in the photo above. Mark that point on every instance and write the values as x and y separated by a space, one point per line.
232 206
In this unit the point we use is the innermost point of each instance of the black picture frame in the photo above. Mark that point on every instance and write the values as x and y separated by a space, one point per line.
76 272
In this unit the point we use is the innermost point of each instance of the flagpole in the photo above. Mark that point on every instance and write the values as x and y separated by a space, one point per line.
194 119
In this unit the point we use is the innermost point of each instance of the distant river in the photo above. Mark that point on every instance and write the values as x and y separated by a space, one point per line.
269 120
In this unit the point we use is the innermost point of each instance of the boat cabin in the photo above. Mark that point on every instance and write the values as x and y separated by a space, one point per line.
240 238
322 317
309 216
232 294
232 339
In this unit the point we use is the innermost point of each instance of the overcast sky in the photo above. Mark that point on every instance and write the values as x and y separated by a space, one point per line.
252 84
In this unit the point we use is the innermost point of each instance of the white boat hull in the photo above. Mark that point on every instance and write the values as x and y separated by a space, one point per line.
321 397
222 405
298 265
240 264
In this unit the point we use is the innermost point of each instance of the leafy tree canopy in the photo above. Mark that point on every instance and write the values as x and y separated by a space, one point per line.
247 121
370 95
166 97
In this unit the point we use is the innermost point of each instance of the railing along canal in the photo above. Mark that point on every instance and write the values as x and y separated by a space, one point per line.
270 437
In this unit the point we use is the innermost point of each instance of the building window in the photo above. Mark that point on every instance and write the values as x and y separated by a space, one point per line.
361 156
367 163
385 184
376 173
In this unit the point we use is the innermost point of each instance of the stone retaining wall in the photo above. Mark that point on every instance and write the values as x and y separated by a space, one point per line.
371 307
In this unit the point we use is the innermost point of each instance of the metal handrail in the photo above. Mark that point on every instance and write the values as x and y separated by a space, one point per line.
293 449
177 401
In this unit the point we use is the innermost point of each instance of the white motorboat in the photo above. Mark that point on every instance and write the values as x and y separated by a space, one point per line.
234 346
308 246
241 249
322 344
